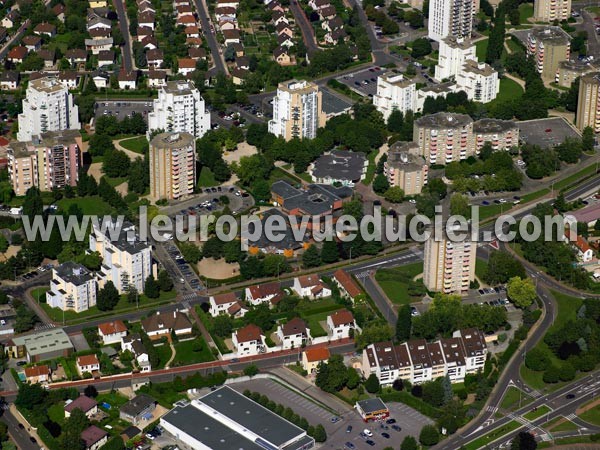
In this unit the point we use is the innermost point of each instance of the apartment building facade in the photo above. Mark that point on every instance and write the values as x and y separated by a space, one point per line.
297 110
72 288
551 10
444 137
588 105
548 46
479 81
569 71
172 158
501 134
419 361
450 18
454 53
126 261
405 168
179 108
449 267
47 106
394 92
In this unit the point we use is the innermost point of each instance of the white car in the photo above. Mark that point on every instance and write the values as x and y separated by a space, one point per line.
413 201
368 432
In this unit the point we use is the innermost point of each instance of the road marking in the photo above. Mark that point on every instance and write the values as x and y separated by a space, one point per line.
571 417
492 409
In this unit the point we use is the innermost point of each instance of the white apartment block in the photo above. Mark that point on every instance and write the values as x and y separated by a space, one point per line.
394 92
47 106
126 261
297 110
449 267
551 10
72 288
444 137
450 18
454 53
419 361
479 81
179 108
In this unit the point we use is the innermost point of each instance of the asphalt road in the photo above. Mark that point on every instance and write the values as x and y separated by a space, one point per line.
15 37
124 26
593 43
18 435
209 34
584 189
308 33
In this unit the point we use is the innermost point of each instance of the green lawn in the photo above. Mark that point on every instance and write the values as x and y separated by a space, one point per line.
394 282
567 307
483 441
481 50
485 212
572 179
186 355
207 178
56 413
567 425
525 12
514 399
509 90
137 144
591 415
537 413
56 314
89 205
480 268
371 168
594 9
316 330
534 195
164 353
116 181
40 293
513 46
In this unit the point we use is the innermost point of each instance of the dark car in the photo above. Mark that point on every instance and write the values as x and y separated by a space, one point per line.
485 203
32 439
21 363
334 419
370 442
396 428
350 445
21 426
349 429
570 396
390 421
385 435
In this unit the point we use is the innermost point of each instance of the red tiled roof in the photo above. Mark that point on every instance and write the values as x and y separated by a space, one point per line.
36 371
342 317
223 299
186 63
582 244
317 354
294 326
87 360
112 327
82 402
92 435
347 282
249 333
18 52
309 281
265 289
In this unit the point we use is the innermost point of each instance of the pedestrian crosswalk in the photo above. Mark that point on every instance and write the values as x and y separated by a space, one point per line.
44 326
571 417
188 297
492 409
546 437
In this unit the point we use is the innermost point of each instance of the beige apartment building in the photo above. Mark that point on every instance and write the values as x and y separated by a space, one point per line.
297 110
588 105
73 288
405 168
172 165
501 134
569 71
548 46
444 137
551 10
449 267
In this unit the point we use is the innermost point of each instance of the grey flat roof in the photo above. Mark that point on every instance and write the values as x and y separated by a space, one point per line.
340 165
45 341
372 405
252 416
534 131
333 104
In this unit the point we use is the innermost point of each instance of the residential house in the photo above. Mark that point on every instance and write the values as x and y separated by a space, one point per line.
17 54
146 19
161 324
227 24
137 410
87 363
263 293
37 374
585 253
32 43
184 10
285 41
312 357
145 5
238 75
475 348
149 42
134 344
9 79
157 78
243 62
94 21
69 78
99 33
45 29
347 286
196 53
275 6
279 17
112 332
327 13
192 31
59 12
10 19
193 42
317 5
155 58
106 58
294 334
96 4
48 56
228 3
281 55
219 304
249 340
341 324
76 56
94 437
101 79
335 36
284 28
332 24
231 37
127 80
310 286
98 45
185 21
144 32
186 65
88 405
226 11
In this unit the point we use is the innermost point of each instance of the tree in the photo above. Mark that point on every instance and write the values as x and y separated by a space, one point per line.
333 375
3 244
213 248
311 257
372 384
502 266
223 325
164 281
421 47
404 323
90 391
320 434
380 184
537 359
250 370
395 121
116 164
100 144
30 396
107 297
459 206
429 435
190 252
151 287
70 438
409 443
524 441
232 251
33 204
496 40
330 253
587 139
521 291
395 194
353 378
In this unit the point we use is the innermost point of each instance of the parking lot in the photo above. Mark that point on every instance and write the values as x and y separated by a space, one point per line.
123 108
546 132
363 82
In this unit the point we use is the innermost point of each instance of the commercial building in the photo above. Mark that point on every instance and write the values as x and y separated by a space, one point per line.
340 167
72 288
41 346
450 18
372 409
172 165
548 46
569 71
297 110
226 419
449 267
454 53
479 81
47 106
394 92
418 361
126 261
588 105
314 199
501 134
551 10
405 168
179 108
49 161
444 137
